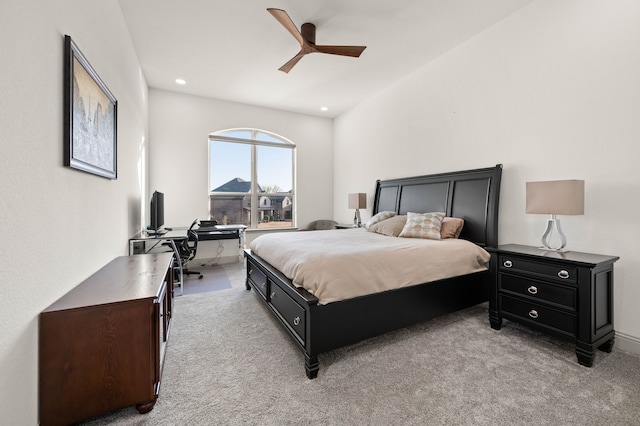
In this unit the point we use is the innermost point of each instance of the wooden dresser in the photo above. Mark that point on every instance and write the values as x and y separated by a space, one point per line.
102 344
568 294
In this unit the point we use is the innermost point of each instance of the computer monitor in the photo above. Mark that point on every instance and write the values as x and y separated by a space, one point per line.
157 211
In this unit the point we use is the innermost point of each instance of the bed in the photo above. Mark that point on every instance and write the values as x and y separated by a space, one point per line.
315 327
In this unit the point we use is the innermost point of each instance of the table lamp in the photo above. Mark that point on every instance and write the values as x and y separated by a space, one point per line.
357 201
556 197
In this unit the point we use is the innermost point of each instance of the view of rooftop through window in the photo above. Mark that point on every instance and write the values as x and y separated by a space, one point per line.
237 159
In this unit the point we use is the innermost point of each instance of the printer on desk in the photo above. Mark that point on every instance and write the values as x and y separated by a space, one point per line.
210 230
208 225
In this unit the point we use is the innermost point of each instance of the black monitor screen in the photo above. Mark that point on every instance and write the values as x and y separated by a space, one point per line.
157 211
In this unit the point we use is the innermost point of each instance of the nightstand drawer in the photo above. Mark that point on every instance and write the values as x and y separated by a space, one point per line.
547 270
535 313
557 294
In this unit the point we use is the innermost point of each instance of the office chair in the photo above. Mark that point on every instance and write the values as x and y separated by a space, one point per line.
320 224
187 249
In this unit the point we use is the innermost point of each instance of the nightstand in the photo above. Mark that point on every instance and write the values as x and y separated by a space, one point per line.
345 226
567 294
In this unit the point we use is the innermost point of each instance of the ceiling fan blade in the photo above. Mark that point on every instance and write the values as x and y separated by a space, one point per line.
286 22
354 51
287 67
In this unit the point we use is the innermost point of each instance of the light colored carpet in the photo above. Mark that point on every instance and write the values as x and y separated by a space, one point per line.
214 278
229 362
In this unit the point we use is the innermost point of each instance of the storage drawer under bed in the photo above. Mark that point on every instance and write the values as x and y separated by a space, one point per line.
258 278
290 311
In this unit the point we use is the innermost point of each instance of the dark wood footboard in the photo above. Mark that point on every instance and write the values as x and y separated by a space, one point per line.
319 328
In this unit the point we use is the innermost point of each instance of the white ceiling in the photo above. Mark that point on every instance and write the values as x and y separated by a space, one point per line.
232 49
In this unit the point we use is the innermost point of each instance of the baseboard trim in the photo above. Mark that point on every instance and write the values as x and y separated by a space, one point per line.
627 343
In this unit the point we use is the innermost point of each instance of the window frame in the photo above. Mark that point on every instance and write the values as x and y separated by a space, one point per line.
255 142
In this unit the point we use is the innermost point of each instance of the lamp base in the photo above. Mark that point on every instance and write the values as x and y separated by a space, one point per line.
356 219
553 249
553 227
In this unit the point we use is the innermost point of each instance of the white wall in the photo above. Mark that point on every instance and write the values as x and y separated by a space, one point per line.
179 126
58 225
552 92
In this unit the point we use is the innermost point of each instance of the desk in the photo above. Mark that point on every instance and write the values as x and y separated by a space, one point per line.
138 243
145 243
224 232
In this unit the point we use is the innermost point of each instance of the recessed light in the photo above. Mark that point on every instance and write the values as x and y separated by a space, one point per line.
180 81
324 109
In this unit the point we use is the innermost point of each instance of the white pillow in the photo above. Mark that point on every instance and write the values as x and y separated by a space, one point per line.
379 218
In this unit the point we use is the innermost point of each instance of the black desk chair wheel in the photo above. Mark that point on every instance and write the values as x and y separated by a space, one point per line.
187 249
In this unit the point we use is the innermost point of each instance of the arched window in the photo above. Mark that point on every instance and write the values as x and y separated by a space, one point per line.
251 178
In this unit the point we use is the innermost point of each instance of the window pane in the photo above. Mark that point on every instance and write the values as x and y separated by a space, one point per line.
275 211
275 169
233 164
230 168
241 134
230 209
268 138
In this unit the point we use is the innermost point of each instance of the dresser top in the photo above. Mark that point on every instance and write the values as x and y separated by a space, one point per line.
124 278
569 256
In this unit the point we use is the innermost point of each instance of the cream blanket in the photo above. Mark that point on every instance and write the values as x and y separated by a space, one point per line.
342 264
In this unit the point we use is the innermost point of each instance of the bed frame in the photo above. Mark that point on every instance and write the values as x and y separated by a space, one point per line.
472 195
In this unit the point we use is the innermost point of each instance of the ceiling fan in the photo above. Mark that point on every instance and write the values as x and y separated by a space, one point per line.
307 39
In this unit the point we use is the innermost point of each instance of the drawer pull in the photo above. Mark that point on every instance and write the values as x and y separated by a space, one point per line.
533 289
263 286
296 321
273 294
250 271
507 264
563 274
533 314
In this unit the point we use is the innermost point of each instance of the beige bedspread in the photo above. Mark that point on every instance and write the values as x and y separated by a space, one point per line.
342 264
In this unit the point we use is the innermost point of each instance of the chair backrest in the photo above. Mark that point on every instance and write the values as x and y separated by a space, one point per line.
189 246
320 224
192 243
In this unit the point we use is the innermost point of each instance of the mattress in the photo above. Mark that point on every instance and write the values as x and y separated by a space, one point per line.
335 265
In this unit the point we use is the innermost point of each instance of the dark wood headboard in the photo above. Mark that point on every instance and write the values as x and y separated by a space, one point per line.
472 195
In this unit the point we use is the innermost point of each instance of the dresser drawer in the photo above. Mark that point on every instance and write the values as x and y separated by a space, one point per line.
553 293
259 279
561 273
535 313
289 310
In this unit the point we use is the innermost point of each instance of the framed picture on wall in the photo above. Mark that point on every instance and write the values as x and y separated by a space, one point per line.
90 117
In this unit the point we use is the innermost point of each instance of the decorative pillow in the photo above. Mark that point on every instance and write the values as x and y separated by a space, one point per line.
390 227
451 227
379 218
423 225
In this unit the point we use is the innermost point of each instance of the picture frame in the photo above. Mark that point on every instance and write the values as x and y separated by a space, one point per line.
90 117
